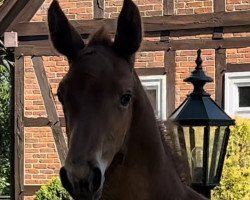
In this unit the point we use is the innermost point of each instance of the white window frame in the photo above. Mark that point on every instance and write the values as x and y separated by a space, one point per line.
157 82
234 80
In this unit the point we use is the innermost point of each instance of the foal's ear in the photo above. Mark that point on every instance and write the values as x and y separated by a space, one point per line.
129 31
63 35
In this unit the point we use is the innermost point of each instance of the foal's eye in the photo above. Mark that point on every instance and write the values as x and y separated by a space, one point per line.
125 99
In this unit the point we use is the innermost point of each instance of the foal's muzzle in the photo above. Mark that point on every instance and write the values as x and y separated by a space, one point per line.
87 188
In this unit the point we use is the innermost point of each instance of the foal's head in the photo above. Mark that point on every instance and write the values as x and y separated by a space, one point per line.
97 96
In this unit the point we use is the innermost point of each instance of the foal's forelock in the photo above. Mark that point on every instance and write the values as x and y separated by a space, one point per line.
101 37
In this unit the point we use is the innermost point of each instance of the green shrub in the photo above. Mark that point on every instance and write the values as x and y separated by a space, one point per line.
6 64
235 182
53 190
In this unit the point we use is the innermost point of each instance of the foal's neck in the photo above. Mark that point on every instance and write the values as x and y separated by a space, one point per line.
146 150
145 171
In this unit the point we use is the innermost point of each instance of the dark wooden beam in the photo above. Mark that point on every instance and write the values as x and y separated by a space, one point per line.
26 14
36 48
170 66
30 190
173 33
219 5
19 127
43 47
50 108
220 68
98 9
82 26
191 32
218 33
207 31
238 67
41 122
154 45
168 7
150 71
158 23
165 36
6 7
9 13
227 43
236 29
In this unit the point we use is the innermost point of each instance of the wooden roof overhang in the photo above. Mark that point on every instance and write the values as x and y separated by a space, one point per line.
33 36
15 11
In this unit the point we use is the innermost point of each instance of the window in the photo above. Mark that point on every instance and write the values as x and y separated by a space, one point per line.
155 87
237 93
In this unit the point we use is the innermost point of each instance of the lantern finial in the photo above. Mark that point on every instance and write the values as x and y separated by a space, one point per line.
198 77
199 60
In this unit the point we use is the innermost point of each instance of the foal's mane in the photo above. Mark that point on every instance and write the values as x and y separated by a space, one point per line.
172 149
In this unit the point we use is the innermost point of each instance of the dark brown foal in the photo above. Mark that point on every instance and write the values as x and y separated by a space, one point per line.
115 147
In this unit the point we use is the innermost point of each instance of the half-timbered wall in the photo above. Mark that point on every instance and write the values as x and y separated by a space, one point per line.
163 52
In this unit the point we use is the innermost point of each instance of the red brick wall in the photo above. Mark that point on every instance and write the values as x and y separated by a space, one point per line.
33 104
149 59
186 7
237 5
41 160
147 8
238 56
74 9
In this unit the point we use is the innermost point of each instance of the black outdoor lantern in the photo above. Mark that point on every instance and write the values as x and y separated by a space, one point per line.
203 132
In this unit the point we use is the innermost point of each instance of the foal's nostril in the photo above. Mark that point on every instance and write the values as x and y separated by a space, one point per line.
96 180
81 186
65 181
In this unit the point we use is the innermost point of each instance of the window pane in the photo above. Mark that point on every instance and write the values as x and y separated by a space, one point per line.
244 96
155 87
215 144
194 145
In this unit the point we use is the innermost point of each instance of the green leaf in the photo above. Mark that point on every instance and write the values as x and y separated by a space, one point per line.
53 190
236 173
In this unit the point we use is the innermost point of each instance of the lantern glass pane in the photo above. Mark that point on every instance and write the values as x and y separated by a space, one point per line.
215 144
194 144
